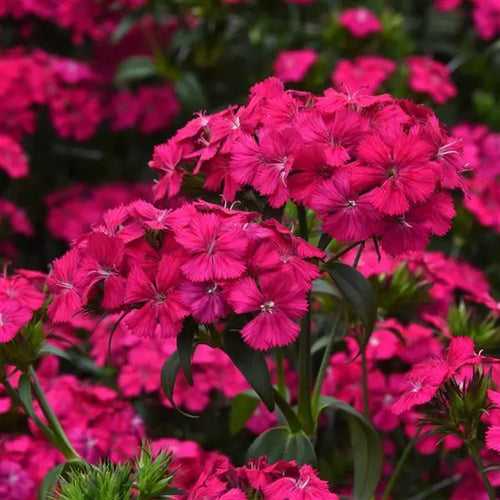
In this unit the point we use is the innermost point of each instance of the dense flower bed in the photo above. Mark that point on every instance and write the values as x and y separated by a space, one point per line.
298 298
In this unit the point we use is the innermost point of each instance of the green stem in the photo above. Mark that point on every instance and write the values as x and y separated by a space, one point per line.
302 215
325 362
474 454
288 413
61 440
305 375
280 372
364 383
399 466
305 372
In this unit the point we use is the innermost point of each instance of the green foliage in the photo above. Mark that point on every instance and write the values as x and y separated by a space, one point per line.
103 482
401 294
148 478
153 479
464 322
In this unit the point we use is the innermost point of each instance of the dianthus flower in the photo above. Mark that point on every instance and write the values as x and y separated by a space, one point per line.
360 21
293 65
157 267
431 77
371 166
363 72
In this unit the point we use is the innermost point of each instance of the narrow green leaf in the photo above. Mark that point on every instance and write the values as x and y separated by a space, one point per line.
366 448
135 68
169 373
185 347
49 349
26 397
291 418
242 408
252 365
49 482
280 443
357 291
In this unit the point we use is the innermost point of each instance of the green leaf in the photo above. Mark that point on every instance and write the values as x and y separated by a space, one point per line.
357 291
26 397
323 286
49 349
252 364
280 443
135 68
190 92
49 482
123 27
366 448
242 408
185 347
169 372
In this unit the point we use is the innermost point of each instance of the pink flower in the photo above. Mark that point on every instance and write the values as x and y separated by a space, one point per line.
278 304
141 371
401 166
487 18
431 77
337 134
346 215
65 282
205 300
15 481
104 257
422 383
266 164
292 65
307 486
12 158
76 113
364 72
13 316
152 99
167 158
360 21
425 378
160 310
446 5
215 250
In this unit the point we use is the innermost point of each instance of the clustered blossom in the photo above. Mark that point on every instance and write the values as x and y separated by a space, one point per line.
201 260
219 479
371 166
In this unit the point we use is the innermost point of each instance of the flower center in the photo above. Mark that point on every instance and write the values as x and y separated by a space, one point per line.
212 289
416 386
267 307
351 203
2 323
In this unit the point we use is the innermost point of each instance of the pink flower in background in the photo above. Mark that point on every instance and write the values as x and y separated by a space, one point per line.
15 481
76 113
16 218
486 16
13 161
154 98
363 72
446 5
292 65
431 77
360 21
